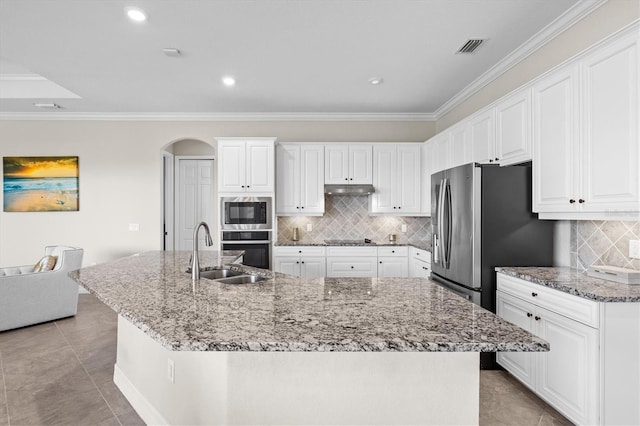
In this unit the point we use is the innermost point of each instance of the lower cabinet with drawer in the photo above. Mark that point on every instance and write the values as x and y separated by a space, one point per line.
303 261
352 261
576 376
419 263
393 261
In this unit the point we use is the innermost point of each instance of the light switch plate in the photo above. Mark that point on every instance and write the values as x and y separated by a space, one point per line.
309 227
634 249
134 227
404 228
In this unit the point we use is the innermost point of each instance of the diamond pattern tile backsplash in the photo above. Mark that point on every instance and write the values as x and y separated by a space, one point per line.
347 217
603 243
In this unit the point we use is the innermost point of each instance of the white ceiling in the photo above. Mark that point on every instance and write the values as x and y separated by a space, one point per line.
288 56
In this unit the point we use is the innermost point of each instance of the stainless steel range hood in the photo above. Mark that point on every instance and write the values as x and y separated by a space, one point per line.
349 189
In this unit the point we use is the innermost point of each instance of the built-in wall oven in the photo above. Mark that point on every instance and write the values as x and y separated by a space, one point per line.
245 213
256 246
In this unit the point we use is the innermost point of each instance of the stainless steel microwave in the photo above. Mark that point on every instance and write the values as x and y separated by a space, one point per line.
245 213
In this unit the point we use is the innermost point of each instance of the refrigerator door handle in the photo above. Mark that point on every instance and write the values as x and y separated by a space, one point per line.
440 211
448 236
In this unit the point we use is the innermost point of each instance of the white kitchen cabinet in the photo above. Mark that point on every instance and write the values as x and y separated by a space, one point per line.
348 163
586 155
419 263
482 132
302 261
246 165
460 141
393 261
396 178
299 179
513 128
429 165
591 373
556 143
352 261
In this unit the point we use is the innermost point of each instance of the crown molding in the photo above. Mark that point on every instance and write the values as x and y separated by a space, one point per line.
542 37
195 116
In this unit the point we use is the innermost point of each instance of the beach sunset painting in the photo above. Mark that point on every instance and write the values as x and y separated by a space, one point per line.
40 184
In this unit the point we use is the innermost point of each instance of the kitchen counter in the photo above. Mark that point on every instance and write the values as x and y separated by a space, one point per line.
288 313
423 245
574 282
377 351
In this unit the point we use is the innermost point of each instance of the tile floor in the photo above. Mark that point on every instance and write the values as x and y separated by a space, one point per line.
61 373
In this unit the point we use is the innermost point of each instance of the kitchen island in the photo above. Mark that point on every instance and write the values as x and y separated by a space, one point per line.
294 351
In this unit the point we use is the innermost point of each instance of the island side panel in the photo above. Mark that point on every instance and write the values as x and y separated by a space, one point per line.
296 387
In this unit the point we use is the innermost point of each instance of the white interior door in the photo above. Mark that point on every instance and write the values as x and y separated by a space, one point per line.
195 200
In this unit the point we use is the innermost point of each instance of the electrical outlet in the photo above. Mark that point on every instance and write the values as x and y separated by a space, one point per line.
404 228
309 227
134 227
634 249
171 370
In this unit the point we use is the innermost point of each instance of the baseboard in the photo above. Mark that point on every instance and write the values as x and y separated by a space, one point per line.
145 410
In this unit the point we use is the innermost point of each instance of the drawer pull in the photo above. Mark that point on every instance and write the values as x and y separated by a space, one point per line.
529 314
352 267
393 251
534 294
571 201
537 318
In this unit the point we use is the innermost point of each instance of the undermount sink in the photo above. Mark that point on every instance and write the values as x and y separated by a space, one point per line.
214 274
242 279
229 276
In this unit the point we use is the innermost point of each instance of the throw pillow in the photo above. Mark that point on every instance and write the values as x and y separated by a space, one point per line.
45 264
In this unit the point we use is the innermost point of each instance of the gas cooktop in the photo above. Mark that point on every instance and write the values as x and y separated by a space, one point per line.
348 242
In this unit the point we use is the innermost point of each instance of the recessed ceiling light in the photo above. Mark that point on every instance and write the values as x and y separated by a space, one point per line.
47 105
136 15
228 81
172 52
376 80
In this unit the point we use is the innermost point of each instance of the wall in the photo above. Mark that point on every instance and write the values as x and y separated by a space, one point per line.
347 218
607 19
121 174
603 243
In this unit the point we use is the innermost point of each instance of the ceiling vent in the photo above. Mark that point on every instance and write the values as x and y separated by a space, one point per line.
470 45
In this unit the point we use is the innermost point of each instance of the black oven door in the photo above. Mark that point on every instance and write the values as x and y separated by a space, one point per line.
255 254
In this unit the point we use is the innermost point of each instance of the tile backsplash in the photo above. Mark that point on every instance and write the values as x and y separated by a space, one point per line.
603 243
347 217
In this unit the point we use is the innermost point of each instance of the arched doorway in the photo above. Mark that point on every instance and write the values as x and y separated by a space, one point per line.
189 191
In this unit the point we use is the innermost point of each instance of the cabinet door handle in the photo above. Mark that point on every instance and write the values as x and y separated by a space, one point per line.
399 207
350 178
425 268
534 294
243 186
248 186
394 207
380 263
571 201
393 251
300 251
581 201
497 159
529 314
346 178
302 207
302 262
537 318
352 267
297 262
491 161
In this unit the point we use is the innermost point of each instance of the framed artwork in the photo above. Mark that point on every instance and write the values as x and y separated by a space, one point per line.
40 184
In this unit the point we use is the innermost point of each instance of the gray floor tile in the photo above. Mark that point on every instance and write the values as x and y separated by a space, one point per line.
32 340
131 418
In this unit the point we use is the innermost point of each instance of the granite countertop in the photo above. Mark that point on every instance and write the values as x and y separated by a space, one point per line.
574 282
287 313
423 245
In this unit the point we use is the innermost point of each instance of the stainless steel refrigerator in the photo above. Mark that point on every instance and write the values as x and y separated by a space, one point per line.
481 218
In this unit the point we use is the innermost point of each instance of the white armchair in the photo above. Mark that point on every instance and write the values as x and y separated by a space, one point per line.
28 297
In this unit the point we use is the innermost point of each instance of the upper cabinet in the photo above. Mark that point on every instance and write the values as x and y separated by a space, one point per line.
350 164
396 178
300 179
246 165
587 156
482 132
513 129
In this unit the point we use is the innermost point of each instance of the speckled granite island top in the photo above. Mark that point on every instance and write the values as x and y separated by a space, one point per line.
423 245
286 313
574 282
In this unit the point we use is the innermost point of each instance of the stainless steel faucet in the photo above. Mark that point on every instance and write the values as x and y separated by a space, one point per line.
195 261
